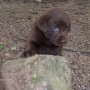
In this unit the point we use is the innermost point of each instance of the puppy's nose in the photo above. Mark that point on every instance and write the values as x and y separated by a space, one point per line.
63 40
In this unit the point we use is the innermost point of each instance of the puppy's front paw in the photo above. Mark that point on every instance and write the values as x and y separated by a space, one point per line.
26 54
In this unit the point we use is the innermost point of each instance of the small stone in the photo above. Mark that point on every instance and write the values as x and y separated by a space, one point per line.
13 48
38 0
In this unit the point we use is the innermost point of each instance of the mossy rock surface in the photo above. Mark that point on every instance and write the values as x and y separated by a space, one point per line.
40 72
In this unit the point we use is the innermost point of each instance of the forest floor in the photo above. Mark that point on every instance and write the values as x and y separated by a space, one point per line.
16 19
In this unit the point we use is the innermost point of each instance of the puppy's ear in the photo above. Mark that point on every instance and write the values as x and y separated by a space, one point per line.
42 22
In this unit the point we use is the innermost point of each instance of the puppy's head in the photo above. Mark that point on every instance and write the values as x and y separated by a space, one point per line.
55 24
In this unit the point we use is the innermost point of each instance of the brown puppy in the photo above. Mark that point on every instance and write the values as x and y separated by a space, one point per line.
49 34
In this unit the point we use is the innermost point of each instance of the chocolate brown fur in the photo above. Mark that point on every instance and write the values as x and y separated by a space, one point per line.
49 34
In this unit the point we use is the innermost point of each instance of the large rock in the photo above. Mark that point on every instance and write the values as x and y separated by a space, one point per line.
40 72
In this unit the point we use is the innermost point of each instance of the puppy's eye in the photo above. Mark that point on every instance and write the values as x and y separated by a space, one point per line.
56 29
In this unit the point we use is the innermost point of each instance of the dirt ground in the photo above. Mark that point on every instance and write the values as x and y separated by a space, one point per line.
16 19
